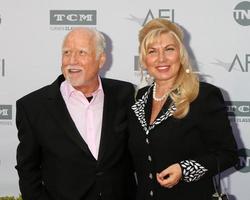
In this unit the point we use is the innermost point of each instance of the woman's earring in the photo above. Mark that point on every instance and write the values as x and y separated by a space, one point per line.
149 79
146 79
187 71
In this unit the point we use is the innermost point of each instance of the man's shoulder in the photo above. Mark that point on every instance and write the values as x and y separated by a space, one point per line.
118 87
36 94
117 82
42 92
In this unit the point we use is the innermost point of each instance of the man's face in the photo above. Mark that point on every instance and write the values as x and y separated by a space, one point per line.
80 65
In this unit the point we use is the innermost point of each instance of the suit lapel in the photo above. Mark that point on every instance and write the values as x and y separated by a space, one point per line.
58 110
108 110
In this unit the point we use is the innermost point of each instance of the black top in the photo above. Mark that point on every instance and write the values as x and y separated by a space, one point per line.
204 135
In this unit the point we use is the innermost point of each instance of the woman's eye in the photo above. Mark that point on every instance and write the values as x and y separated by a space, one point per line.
151 51
170 49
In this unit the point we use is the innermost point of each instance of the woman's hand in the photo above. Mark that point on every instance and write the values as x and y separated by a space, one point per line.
170 176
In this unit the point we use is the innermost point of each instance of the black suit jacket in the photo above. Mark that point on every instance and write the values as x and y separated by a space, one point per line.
203 135
54 162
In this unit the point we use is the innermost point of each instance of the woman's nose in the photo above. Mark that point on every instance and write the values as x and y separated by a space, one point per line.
161 56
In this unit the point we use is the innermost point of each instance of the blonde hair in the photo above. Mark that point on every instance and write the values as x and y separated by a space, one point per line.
186 86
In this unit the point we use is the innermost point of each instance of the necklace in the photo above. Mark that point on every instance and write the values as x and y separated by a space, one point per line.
160 98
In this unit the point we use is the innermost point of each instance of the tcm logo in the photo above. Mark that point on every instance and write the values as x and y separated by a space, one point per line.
5 112
161 13
238 108
238 63
242 13
243 164
72 17
2 67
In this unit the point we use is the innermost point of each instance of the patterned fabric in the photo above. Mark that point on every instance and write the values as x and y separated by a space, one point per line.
192 170
139 110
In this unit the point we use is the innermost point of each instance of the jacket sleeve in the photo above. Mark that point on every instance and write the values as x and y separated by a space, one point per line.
216 133
28 158
217 136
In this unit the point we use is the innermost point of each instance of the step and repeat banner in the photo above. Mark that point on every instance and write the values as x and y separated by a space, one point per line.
217 35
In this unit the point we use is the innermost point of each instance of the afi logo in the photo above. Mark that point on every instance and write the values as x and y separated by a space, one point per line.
73 17
161 13
242 64
238 63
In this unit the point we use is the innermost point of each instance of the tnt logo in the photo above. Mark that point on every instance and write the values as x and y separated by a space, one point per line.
243 164
242 13
73 17
5 112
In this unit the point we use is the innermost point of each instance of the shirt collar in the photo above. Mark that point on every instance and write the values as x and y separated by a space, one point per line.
69 90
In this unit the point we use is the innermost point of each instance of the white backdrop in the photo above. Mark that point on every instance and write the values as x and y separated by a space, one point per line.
217 36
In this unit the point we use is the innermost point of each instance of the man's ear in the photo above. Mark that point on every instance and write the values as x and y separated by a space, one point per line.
102 60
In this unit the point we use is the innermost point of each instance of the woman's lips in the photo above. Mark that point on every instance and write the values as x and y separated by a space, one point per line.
163 67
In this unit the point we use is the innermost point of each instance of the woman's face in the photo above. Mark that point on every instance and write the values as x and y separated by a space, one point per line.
162 59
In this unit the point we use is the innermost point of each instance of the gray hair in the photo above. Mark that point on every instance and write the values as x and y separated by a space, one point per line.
98 36
100 41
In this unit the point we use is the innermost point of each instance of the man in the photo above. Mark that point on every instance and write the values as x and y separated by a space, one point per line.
73 133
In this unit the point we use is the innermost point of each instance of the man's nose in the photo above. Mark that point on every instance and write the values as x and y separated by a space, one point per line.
73 58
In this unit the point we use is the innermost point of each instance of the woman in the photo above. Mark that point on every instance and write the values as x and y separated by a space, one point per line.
179 129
